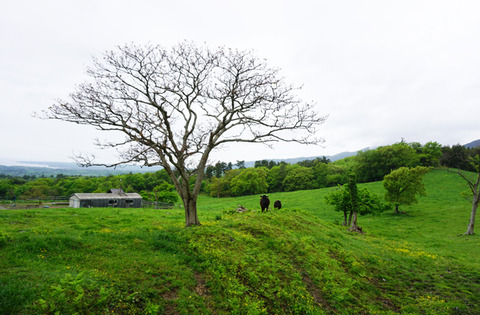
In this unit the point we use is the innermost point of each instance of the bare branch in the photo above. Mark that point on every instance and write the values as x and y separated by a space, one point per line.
174 106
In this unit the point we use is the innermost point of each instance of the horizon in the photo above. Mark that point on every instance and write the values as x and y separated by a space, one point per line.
5 161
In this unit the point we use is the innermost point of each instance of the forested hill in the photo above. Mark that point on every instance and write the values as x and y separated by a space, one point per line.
332 158
473 144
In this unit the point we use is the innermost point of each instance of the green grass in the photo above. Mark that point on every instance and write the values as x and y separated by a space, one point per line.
298 260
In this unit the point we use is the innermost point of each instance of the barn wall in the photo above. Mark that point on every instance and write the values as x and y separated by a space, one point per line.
105 200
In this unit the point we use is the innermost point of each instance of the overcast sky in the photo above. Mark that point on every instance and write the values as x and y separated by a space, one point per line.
382 70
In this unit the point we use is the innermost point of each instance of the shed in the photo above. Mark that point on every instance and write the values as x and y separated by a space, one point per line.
115 198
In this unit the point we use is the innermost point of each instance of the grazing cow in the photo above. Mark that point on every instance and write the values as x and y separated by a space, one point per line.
277 204
264 203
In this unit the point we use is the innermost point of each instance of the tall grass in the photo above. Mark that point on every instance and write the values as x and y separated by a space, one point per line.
297 260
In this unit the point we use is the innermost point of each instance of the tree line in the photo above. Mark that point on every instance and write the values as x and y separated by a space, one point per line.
222 179
152 186
227 179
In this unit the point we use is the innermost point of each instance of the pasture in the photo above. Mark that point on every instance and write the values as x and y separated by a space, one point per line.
297 260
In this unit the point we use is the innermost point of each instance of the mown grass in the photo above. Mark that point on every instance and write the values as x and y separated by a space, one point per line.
298 260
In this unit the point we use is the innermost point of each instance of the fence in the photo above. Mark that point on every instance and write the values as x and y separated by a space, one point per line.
157 205
64 201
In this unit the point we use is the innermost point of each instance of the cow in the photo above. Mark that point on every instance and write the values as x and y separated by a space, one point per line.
277 204
264 202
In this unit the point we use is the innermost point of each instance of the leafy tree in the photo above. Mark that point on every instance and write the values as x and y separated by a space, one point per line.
220 169
209 171
165 192
240 164
459 157
299 178
373 165
135 181
340 199
474 191
6 188
266 163
174 106
250 181
314 162
353 201
430 154
404 185
275 177
219 187
328 175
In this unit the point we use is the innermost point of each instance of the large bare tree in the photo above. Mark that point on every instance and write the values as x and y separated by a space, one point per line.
175 105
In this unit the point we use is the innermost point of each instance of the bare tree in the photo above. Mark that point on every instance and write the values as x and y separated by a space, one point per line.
177 105
474 187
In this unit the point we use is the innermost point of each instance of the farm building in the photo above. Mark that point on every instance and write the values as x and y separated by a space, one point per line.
114 198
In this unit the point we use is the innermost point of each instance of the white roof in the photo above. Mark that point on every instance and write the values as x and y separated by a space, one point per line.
85 196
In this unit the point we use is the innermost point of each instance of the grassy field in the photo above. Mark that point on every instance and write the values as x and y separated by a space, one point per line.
297 260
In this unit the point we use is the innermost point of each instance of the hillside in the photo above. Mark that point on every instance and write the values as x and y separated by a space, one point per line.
473 144
297 260
48 169
332 158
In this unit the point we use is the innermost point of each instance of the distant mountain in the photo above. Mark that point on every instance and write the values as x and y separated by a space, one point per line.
473 144
31 168
48 169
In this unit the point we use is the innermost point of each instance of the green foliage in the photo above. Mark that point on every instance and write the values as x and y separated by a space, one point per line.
276 176
164 192
404 185
430 154
349 199
219 187
299 178
250 181
373 165
63 186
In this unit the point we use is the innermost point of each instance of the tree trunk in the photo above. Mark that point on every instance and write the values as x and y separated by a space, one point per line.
350 218
396 209
344 218
354 227
471 223
191 217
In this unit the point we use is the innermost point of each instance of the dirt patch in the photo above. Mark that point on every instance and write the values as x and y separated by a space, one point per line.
315 292
200 288
170 298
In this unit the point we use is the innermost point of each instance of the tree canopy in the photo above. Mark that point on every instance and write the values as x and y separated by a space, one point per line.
403 185
175 106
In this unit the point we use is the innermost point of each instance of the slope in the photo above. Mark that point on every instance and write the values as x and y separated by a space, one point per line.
294 261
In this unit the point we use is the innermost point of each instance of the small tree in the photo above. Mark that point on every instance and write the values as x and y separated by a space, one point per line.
353 201
404 185
474 187
175 106
340 199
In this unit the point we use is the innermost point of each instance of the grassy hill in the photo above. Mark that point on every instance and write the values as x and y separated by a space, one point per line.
296 260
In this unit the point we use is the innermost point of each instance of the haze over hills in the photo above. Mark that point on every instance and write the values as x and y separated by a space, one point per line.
30 168
20 168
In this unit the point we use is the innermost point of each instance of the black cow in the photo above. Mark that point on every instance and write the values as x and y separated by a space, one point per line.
264 202
277 204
